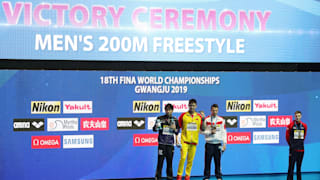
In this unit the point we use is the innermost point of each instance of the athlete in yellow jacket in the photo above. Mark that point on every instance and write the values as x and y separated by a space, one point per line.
190 122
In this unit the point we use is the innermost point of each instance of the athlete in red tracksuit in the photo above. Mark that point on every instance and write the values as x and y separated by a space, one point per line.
295 135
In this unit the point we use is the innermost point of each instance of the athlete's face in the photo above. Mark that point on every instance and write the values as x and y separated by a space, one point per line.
169 112
298 116
214 111
192 107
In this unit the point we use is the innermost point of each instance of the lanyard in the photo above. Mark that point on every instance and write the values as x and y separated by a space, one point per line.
298 126
212 121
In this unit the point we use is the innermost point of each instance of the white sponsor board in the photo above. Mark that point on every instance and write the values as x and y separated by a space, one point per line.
78 141
178 106
151 122
253 121
62 124
265 105
265 137
77 107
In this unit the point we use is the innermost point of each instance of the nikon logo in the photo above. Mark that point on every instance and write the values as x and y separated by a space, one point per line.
238 106
146 106
45 107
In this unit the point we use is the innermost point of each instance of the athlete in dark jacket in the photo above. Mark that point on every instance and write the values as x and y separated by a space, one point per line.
168 127
295 135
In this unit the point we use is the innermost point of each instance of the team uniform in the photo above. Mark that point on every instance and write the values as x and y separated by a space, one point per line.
295 136
214 144
166 143
190 124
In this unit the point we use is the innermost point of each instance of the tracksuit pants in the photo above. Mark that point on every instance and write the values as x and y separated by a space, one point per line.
165 152
212 150
295 157
188 152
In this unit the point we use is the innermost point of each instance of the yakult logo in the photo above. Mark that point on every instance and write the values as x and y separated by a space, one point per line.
279 121
145 139
77 107
239 138
45 142
178 106
265 105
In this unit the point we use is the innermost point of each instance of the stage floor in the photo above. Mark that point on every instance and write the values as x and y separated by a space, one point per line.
305 176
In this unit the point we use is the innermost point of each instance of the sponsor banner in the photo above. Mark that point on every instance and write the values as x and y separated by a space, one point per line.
45 142
238 105
266 137
145 139
279 121
28 124
131 123
62 124
151 122
78 141
190 31
77 107
253 121
238 138
265 105
45 107
94 124
146 106
231 121
178 106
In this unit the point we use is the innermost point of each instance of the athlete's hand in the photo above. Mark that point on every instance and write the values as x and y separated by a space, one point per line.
213 130
173 126
224 147
202 115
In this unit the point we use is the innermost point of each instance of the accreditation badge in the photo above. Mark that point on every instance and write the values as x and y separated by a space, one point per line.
218 127
301 134
298 134
192 127
166 130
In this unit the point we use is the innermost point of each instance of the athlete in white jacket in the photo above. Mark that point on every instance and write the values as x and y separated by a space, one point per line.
215 133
